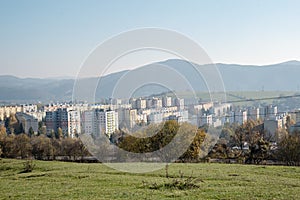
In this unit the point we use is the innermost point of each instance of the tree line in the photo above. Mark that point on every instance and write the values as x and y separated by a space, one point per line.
40 147
253 145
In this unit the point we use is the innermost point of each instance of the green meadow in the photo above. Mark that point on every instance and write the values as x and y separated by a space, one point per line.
66 180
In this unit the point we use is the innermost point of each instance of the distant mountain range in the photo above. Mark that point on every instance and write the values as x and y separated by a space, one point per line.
276 77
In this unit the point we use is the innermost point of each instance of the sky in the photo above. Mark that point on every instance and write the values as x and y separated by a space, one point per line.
52 38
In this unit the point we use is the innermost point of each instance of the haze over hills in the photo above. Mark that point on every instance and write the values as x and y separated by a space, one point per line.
277 77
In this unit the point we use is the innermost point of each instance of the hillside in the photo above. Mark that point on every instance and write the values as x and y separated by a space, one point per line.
277 77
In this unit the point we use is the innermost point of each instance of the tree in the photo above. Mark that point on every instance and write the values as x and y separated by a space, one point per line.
226 133
9 146
2 138
42 131
20 129
76 133
289 149
11 131
42 147
11 124
59 134
166 141
68 147
30 132
7 123
23 146
15 125
258 152
259 144
0 151
193 152
220 150
52 134
79 149
289 122
2 131
246 133
153 138
57 147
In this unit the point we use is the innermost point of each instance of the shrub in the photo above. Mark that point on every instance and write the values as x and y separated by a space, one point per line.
28 166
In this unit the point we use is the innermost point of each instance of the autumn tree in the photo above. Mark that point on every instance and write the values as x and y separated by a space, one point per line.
68 147
289 149
80 149
12 126
42 129
59 133
2 132
42 147
289 122
153 138
23 146
57 147
0 151
167 141
194 150
258 152
246 132
9 146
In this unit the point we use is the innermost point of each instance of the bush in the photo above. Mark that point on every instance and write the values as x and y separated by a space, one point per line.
28 166
179 183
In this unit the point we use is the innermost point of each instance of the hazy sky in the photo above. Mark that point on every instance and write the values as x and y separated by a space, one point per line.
52 38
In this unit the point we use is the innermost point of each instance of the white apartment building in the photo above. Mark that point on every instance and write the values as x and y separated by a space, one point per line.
111 122
26 108
229 118
140 103
157 103
240 116
220 110
88 122
74 123
179 103
127 118
253 113
202 106
166 101
6 111
67 120
99 121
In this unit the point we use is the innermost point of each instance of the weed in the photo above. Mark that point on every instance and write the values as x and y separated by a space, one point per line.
28 166
179 183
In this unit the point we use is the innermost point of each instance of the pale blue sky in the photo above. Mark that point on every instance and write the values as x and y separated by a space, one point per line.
52 38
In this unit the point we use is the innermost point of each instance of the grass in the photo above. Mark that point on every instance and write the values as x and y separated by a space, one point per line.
62 180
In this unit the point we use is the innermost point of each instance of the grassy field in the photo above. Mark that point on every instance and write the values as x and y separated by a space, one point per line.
62 180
